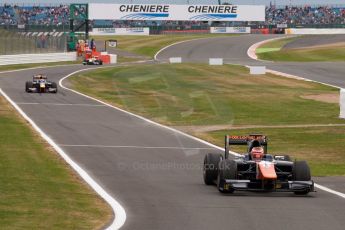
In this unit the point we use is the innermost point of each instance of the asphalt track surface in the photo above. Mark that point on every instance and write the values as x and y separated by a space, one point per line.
316 40
155 173
234 51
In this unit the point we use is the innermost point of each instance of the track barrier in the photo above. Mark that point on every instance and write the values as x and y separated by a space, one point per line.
113 58
342 103
175 60
257 70
216 61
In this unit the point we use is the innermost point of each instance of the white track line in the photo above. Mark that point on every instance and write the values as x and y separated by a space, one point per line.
252 54
171 129
58 104
137 116
298 78
120 214
133 146
176 43
330 190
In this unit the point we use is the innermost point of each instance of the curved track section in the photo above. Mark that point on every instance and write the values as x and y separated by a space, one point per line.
154 172
234 51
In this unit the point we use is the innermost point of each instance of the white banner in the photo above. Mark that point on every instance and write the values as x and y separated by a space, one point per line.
230 30
282 25
121 31
314 31
103 11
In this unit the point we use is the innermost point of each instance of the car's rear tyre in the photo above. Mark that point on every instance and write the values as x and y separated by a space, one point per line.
301 173
27 86
54 86
210 169
101 62
227 171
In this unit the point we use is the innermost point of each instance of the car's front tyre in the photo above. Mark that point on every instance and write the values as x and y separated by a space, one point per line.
210 168
301 172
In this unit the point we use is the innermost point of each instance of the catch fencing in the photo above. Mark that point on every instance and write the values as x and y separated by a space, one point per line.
32 42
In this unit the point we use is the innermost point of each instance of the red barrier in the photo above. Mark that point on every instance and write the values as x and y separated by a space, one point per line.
105 59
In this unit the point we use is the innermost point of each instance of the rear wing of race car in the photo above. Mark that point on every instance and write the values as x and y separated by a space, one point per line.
244 140
39 76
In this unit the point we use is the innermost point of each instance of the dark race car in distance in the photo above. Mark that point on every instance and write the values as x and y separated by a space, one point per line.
256 170
40 84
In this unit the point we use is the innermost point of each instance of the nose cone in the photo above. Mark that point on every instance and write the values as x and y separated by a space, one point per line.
266 170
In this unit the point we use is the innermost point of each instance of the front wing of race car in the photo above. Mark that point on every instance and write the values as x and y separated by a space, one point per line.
36 89
47 90
92 62
262 185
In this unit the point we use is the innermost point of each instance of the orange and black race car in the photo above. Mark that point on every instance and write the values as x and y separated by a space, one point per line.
256 170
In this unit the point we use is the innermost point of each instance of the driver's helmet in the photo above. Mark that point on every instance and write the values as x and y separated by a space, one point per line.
257 153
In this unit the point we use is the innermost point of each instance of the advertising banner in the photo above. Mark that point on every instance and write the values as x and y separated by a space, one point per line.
103 11
121 31
308 31
230 30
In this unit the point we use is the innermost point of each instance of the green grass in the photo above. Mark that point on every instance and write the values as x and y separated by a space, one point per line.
25 66
37 189
197 96
265 50
150 45
274 52
322 147
122 59
279 43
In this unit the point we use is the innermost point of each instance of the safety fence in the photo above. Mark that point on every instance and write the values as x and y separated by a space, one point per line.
32 42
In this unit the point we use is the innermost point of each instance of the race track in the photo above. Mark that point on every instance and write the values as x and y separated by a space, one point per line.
154 172
234 50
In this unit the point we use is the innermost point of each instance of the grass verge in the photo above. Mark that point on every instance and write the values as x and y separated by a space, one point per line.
273 51
198 96
38 190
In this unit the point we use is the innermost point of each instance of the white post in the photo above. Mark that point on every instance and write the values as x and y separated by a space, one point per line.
175 60
257 70
342 103
113 58
215 61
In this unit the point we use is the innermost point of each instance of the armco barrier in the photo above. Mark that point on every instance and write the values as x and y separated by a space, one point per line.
37 58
